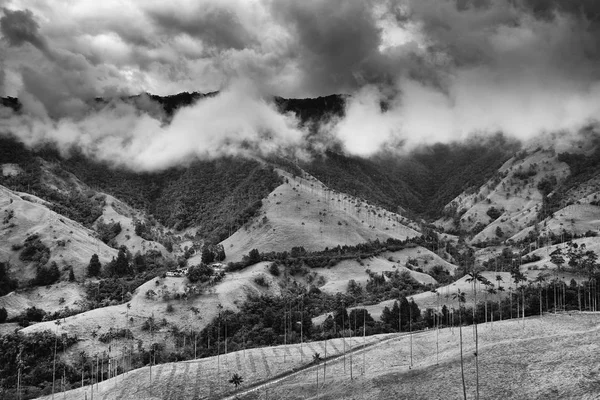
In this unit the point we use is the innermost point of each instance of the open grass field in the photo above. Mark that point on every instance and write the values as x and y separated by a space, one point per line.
554 357
208 378
305 211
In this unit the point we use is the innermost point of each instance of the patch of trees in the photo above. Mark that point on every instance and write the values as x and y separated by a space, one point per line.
108 231
494 213
403 316
441 275
212 253
552 196
330 257
34 251
200 273
114 334
120 266
33 356
388 285
524 175
7 284
116 288
46 276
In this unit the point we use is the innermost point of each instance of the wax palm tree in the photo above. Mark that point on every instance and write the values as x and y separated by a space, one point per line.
460 298
499 290
236 380
57 323
474 277
541 280
491 291
316 360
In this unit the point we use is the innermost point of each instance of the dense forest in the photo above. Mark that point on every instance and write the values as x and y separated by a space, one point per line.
423 181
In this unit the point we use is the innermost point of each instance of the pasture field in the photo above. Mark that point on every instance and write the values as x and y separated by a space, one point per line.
554 357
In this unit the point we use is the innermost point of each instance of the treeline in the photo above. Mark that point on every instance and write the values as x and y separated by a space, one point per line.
33 356
330 257
122 275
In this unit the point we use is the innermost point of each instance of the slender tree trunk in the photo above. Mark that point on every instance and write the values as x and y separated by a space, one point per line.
475 323
462 367
54 366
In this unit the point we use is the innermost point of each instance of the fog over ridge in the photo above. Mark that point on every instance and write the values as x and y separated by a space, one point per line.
445 69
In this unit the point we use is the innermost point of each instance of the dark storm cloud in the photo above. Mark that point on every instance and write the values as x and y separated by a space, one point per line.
19 27
444 68
216 27
337 42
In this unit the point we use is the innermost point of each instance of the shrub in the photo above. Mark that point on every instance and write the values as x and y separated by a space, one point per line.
274 269
3 315
35 250
200 273
170 308
261 281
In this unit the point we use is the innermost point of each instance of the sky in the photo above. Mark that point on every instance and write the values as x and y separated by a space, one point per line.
447 69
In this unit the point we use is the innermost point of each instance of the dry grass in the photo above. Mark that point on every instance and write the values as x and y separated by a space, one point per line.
32 216
208 378
303 211
550 358
554 357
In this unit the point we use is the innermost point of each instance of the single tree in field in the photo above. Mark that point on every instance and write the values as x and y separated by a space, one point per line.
83 357
236 380
474 277
499 290
541 280
317 360
57 323
491 291
94 266
460 298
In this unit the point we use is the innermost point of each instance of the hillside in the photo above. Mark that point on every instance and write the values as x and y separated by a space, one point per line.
228 294
510 201
337 277
303 211
422 181
69 243
518 359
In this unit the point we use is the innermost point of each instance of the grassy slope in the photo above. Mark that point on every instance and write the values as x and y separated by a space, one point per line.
32 216
546 358
230 292
303 212
520 199
337 277
117 211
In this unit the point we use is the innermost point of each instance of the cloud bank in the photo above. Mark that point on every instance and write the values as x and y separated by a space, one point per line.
444 69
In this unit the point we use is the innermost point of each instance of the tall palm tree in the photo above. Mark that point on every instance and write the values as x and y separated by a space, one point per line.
19 370
460 298
500 289
491 291
57 323
475 276
316 360
236 379
541 280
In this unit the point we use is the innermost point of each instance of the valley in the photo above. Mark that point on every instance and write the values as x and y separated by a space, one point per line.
251 266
